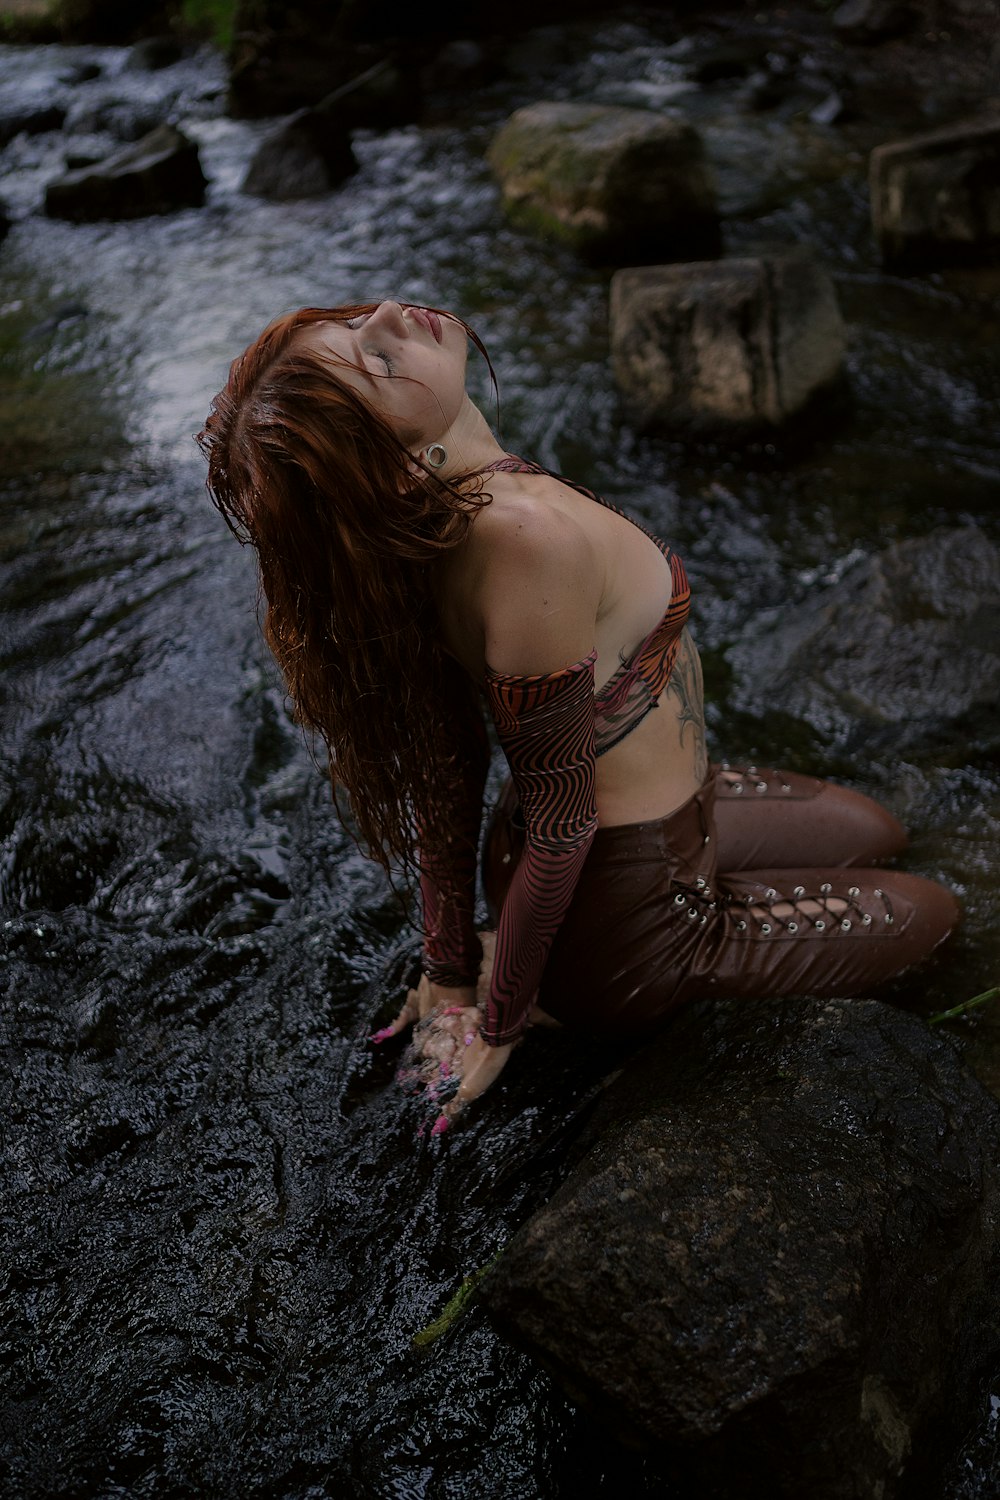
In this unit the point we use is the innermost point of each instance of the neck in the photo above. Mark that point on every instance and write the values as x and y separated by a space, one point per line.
469 443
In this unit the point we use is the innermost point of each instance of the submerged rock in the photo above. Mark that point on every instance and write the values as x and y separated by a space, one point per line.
34 119
614 183
935 198
775 1266
156 175
906 638
725 348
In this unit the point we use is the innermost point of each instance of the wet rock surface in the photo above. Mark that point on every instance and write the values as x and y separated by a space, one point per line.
613 183
157 175
903 643
776 1263
725 348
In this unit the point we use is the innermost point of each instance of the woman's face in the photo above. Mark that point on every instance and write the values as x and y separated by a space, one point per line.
407 362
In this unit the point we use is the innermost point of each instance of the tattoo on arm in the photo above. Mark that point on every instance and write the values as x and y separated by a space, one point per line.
686 686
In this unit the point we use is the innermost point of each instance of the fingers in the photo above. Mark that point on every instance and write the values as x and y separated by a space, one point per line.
409 1013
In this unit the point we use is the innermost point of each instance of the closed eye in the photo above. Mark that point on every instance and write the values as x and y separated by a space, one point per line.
384 357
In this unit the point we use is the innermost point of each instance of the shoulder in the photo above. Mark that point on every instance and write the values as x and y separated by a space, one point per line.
538 581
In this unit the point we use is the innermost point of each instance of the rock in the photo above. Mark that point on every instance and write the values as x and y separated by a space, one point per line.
725 348
125 119
381 97
82 72
907 639
153 53
775 1267
156 175
727 60
461 63
609 181
33 120
871 20
935 198
305 157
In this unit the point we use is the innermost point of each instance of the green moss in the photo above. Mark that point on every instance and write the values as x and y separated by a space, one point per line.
210 18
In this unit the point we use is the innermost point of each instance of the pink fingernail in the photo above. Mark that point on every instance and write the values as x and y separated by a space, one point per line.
452 1010
470 1037
383 1035
440 1125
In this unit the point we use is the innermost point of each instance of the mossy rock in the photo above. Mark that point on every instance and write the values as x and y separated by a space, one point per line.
616 184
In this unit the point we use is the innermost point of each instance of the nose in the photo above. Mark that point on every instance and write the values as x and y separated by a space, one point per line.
388 317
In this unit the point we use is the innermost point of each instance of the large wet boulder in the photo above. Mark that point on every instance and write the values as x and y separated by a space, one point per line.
159 173
935 198
304 157
903 641
725 348
616 184
776 1267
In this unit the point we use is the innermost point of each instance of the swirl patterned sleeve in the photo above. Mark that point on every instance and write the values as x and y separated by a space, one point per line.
452 950
545 724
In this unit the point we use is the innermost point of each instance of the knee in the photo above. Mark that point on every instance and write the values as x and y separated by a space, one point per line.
869 832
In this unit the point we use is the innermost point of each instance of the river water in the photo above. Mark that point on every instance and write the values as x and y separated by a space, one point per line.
222 1227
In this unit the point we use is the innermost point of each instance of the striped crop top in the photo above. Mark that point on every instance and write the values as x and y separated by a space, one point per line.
634 688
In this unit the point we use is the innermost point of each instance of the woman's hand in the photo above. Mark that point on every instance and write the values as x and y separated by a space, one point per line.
424 1001
447 1056
477 1065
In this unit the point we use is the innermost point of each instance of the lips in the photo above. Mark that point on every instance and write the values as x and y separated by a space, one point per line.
428 320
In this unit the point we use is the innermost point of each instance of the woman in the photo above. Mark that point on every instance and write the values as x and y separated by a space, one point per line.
412 568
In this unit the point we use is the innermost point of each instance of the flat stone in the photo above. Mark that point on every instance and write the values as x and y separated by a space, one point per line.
935 198
725 348
156 175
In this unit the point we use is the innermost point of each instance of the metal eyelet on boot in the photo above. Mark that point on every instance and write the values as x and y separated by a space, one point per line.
785 787
700 883
854 890
845 924
825 888
793 927
866 920
751 770
770 893
692 911
738 788
761 786
741 927
765 927
820 926
799 890
888 918
679 900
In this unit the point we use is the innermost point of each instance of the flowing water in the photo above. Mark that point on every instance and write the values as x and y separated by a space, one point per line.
222 1227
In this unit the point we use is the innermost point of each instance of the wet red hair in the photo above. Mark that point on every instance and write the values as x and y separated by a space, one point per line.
346 527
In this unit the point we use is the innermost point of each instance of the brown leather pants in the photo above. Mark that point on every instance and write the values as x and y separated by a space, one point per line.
755 886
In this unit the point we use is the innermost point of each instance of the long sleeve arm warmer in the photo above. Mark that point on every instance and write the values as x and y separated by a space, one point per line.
545 725
452 950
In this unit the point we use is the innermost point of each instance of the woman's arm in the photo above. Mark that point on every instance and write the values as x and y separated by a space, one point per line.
539 611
